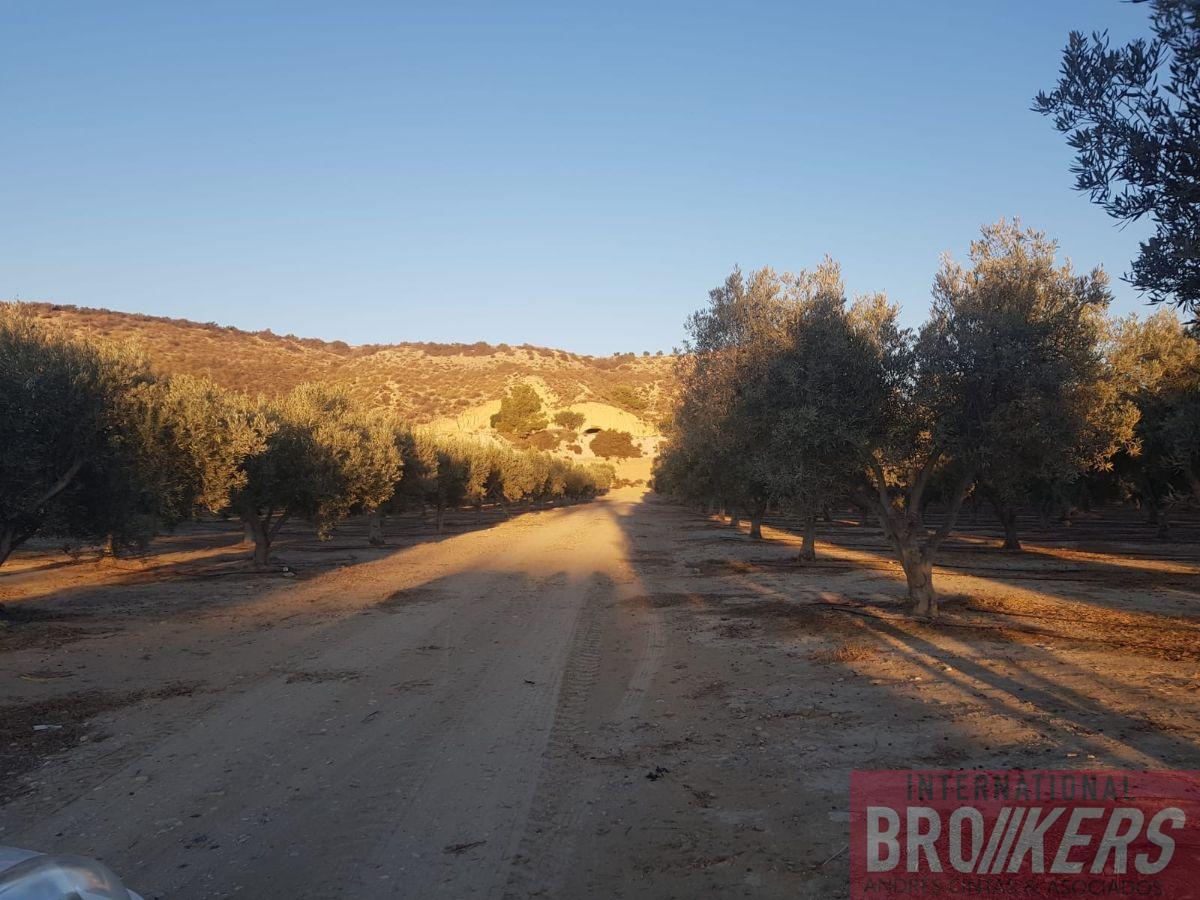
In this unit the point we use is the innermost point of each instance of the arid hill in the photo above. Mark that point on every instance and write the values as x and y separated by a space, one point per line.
423 381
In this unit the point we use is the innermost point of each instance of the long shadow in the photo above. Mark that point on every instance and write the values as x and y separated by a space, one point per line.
1091 549
1064 714
97 595
1082 582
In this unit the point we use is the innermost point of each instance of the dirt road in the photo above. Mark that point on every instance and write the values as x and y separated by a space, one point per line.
616 699
410 749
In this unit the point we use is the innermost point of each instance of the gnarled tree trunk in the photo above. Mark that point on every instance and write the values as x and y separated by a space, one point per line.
262 530
756 517
1162 522
440 517
8 542
375 530
914 545
808 546
262 541
918 572
1193 480
1008 520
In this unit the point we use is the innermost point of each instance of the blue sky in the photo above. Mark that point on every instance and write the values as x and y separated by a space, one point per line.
570 175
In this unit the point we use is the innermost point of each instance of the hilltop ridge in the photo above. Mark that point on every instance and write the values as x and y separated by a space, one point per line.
423 381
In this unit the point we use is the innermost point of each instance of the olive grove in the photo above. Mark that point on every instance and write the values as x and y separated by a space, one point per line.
796 397
98 447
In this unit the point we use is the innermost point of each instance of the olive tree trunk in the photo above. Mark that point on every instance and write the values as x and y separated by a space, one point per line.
914 544
263 527
918 572
808 546
261 535
1193 480
756 517
1162 522
1008 520
375 535
8 542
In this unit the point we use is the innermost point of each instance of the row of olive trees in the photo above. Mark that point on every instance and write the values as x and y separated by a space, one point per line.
96 446
446 473
1016 386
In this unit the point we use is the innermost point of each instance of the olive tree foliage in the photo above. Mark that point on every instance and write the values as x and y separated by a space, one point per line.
813 447
323 459
1156 365
1132 115
1036 334
71 464
443 473
718 439
202 436
1011 348
746 434
806 398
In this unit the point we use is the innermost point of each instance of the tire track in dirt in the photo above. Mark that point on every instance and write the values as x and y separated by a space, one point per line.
601 685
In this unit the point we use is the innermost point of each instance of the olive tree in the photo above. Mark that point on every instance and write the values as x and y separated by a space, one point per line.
812 449
807 398
732 341
1053 325
415 476
453 482
1156 363
70 463
1010 346
202 436
323 459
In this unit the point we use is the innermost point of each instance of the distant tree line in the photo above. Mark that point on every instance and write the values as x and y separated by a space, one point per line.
1018 389
97 446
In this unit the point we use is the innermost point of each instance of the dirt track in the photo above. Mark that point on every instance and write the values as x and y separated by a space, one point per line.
617 699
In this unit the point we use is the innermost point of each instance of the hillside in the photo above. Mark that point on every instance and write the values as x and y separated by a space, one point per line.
423 381
450 387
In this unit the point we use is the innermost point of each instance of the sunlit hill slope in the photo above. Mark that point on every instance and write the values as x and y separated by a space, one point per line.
451 387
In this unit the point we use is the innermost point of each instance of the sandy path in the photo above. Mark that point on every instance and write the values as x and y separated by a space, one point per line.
398 751
620 699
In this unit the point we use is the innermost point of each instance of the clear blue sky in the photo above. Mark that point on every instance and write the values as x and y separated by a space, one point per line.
567 174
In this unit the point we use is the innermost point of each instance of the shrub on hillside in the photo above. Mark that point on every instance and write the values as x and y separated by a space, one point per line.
569 419
628 398
544 440
520 412
612 444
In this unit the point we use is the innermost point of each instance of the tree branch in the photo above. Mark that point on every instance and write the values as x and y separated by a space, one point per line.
283 517
935 540
59 486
